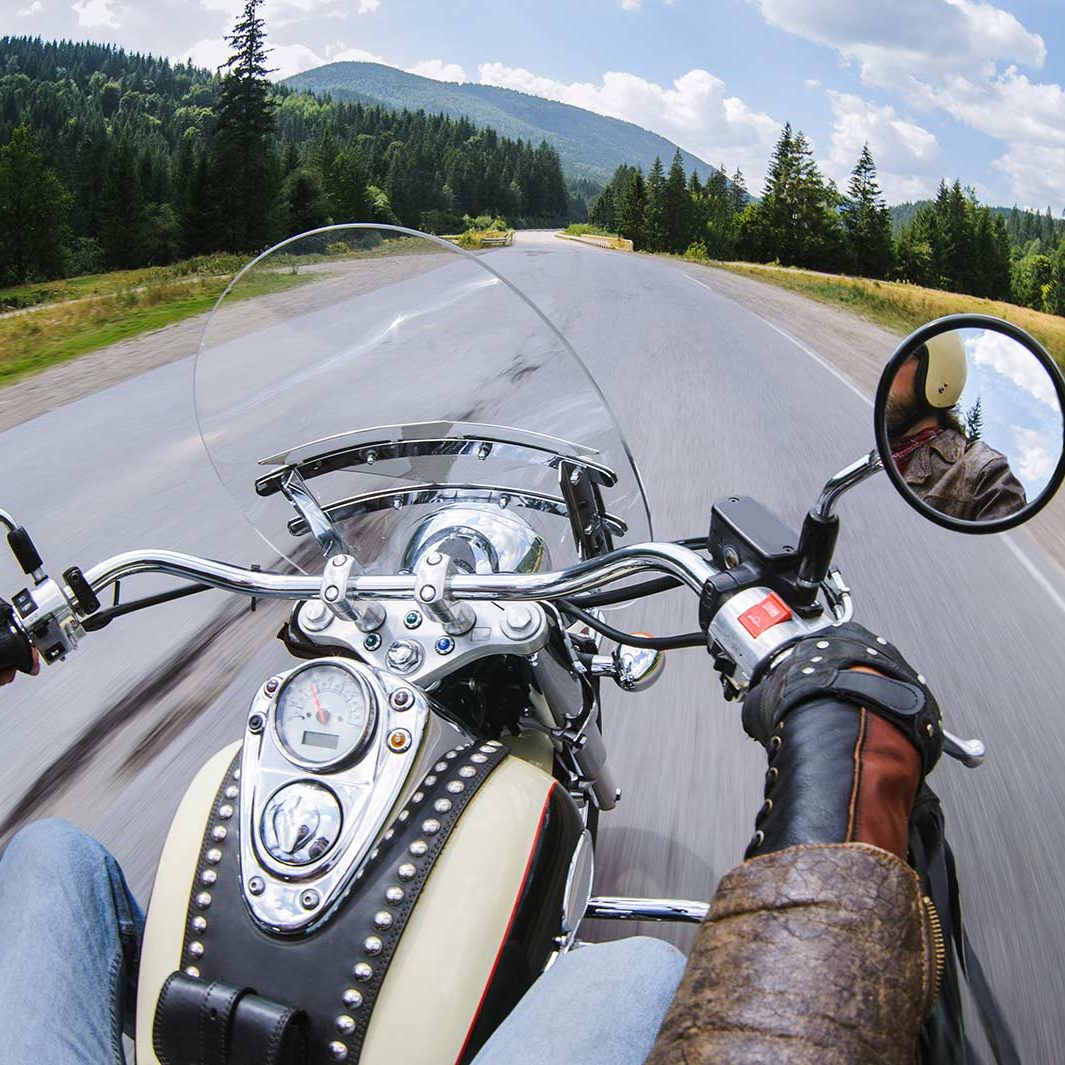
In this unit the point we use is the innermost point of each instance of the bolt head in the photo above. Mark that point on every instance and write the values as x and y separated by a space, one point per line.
310 899
256 886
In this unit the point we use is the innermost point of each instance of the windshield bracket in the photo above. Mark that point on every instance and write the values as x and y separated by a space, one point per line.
295 490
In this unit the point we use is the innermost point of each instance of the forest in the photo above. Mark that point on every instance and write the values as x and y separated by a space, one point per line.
112 160
952 242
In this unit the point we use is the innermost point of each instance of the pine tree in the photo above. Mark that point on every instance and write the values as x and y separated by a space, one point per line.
974 420
347 188
676 208
867 222
654 225
124 214
1055 302
633 211
244 166
33 213
306 203
602 212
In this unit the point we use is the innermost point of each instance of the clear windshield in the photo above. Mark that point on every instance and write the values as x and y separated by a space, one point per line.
355 382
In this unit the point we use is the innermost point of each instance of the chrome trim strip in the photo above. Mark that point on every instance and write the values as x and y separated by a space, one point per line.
844 481
426 494
616 908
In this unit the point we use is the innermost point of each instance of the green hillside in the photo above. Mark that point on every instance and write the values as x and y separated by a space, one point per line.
591 146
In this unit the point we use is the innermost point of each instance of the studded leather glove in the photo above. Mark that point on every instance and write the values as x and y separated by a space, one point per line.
851 730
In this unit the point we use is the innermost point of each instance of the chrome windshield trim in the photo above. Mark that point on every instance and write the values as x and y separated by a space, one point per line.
426 494
365 447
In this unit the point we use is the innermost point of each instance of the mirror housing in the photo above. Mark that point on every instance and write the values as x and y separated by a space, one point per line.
1014 393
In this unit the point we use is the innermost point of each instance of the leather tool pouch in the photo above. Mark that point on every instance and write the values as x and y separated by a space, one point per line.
213 1023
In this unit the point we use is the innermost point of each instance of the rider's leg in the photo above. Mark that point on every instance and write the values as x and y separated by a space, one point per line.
71 936
597 1005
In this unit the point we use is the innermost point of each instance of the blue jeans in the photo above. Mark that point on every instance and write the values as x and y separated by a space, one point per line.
72 932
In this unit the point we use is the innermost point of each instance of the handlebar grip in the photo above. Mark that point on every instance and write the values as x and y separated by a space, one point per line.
16 651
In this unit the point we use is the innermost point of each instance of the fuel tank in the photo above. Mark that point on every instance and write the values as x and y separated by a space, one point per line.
481 930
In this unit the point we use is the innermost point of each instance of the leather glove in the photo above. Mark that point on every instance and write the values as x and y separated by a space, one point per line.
847 748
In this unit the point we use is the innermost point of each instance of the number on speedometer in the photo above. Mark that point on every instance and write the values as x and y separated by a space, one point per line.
325 715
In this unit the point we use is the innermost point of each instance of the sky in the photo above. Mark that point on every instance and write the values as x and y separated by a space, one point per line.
938 88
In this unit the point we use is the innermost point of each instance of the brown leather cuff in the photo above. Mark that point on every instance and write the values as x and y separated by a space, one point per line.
812 954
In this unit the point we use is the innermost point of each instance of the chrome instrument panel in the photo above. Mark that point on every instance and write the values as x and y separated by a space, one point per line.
347 805
409 641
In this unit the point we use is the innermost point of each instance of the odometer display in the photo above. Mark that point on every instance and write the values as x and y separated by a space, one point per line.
325 714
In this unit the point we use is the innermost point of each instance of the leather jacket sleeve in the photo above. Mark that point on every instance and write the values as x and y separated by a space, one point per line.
813 954
998 492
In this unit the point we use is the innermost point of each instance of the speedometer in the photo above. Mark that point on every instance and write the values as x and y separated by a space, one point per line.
325 715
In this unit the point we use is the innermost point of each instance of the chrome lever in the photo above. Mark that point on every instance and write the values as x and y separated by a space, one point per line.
971 753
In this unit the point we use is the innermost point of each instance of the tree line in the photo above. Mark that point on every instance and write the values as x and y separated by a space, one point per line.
802 219
114 160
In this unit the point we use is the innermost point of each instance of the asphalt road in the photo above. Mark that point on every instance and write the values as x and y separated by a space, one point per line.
714 401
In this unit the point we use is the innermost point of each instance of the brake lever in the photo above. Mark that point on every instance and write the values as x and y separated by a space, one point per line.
971 753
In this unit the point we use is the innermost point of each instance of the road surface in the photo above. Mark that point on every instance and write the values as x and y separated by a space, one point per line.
714 401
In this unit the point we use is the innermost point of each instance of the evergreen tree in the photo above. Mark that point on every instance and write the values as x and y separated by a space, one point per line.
867 222
740 195
347 188
306 203
654 225
245 169
676 208
974 420
602 212
124 214
33 213
1055 302
633 210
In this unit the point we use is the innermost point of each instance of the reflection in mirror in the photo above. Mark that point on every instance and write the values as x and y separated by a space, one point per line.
974 424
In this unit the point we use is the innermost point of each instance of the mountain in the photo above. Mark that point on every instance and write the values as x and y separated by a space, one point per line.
591 146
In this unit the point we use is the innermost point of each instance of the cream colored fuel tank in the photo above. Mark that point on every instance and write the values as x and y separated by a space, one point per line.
438 976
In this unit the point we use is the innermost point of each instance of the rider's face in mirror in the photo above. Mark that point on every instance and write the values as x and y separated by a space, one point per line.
974 424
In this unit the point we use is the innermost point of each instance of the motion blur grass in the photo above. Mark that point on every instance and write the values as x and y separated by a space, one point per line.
88 286
59 332
902 307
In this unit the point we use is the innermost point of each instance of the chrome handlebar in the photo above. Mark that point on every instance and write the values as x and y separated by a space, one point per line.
672 559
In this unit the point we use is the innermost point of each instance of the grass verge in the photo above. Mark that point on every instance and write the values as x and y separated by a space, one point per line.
903 307
32 342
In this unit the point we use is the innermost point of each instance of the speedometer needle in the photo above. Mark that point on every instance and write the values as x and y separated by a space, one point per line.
322 716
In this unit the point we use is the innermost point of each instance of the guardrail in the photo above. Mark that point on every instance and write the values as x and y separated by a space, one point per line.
613 243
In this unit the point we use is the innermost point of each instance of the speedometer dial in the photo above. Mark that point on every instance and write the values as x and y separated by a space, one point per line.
325 715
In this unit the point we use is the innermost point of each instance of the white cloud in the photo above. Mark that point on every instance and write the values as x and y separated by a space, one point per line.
438 70
210 53
812 83
366 6
1014 362
95 13
695 113
1036 461
34 9
906 154
631 5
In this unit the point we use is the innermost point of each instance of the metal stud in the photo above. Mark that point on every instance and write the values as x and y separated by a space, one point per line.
382 919
219 833
456 787
880 640
345 1025
467 771
338 1051
403 816
431 826
418 847
417 797
817 658
823 644
494 745
478 758
373 945
771 774
406 871
374 853
203 900
195 949
870 651
441 767
192 971
232 791
429 781
775 743
353 998
236 774
920 679
759 838
930 729
389 834
395 894
487 750
199 924
450 755
363 971
807 670
209 876
225 811
214 856
441 806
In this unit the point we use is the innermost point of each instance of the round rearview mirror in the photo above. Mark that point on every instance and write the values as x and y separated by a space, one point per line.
969 426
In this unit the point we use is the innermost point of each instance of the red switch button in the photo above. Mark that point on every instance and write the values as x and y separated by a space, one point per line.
764 615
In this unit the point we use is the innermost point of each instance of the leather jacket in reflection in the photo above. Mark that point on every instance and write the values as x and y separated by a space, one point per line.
964 478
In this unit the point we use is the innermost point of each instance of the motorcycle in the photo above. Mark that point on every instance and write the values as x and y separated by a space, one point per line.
408 823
